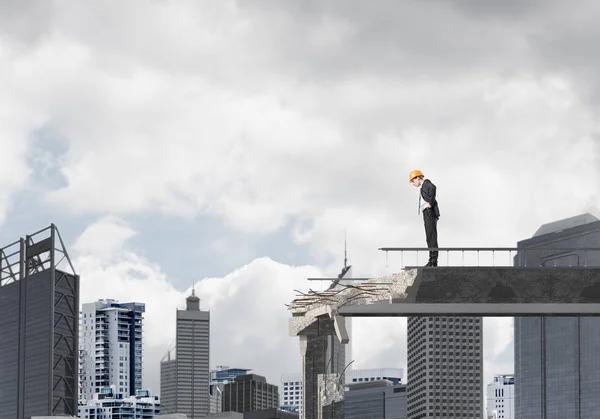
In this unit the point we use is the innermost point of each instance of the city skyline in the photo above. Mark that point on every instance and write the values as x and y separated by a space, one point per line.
235 145
129 315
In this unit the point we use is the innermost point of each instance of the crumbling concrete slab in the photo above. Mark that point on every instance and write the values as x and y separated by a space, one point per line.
477 291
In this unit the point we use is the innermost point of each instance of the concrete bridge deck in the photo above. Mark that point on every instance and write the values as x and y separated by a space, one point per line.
470 291
489 291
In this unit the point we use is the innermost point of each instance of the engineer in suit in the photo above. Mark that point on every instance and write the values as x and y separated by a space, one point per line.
428 205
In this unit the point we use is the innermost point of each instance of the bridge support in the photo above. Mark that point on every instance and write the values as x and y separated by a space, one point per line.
313 334
331 396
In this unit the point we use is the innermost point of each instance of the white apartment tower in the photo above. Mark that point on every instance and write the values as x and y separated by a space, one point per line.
501 397
185 380
110 348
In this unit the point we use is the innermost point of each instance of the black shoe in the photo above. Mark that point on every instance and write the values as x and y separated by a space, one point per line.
428 265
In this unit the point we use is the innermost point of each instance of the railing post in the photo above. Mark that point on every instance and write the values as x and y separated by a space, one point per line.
386 258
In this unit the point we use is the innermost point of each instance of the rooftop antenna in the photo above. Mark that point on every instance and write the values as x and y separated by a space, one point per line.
193 287
345 251
346 268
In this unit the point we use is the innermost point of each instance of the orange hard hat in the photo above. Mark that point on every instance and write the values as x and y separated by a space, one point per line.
414 174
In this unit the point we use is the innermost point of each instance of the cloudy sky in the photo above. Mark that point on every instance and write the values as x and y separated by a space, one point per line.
233 142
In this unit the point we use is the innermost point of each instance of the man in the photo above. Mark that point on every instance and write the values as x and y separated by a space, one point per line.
429 207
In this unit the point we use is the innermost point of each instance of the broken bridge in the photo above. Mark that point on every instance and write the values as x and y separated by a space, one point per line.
536 285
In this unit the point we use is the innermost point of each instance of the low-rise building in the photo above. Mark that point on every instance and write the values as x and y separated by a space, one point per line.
375 399
107 404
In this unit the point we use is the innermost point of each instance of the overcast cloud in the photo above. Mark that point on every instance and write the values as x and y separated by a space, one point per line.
268 128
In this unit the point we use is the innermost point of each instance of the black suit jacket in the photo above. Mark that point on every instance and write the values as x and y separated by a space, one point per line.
428 191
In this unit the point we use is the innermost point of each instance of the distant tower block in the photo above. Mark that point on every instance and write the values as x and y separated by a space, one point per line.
185 380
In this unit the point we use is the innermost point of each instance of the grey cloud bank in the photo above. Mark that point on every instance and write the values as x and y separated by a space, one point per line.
289 122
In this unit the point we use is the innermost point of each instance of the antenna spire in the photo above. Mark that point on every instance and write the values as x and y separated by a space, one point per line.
345 251
193 287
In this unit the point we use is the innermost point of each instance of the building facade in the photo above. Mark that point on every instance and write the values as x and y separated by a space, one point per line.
185 379
106 404
445 367
257 414
501 397
39 328
291 384
110 348
557 370
248 393
218 378
375 399
168 384
394 375
291 392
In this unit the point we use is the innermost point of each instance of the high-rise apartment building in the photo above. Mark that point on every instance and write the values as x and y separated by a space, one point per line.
557 367
185 380
248 393
445 367
110 347
39 325
501 397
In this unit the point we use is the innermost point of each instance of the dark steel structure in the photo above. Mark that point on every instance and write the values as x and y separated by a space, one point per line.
39 328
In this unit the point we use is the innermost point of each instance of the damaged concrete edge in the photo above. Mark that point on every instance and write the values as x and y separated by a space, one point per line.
331 389
385 288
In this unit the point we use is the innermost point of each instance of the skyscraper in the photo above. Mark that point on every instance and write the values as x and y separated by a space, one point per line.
111 347
445 365
557 367
185 379
39 300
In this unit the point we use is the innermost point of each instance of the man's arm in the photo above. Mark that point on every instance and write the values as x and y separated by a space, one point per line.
430 189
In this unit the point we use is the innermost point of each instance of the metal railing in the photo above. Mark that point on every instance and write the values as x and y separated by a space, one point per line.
497 256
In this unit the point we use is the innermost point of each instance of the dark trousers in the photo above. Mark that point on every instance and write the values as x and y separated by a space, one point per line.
431 234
